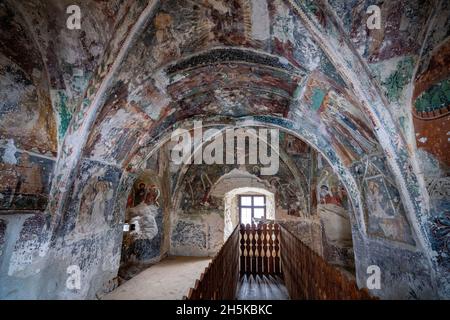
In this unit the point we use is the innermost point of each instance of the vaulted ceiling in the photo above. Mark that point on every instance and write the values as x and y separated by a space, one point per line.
135 69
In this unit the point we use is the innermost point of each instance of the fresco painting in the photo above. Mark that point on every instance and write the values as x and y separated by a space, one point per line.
364 174
385 215
25 183
142 244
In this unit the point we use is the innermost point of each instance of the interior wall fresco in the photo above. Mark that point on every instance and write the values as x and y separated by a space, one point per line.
349 130
406 266
430 105
143 243
28 136
431 93
325 28
90 238
406 271
334 210
46 71
122 120
26 180
25 95
25 100
129 67
362 252
385 214
201 209
71 57
76 133
392 51
414 78
216 24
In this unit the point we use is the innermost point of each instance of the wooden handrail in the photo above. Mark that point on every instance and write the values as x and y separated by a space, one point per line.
220 279
309 277
260 249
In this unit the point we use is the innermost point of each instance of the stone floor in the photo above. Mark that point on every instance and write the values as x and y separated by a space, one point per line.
263 287
170 279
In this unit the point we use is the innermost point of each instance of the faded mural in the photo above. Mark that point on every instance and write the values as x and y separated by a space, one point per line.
81 111
385 215
144 215
334 211
25 180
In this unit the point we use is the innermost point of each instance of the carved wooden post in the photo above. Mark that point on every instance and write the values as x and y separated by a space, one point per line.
242 251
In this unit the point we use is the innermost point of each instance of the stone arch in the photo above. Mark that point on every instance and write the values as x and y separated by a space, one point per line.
298 174
271 122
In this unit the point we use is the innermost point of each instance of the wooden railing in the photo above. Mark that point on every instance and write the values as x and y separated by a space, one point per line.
220 279
260 249
308 276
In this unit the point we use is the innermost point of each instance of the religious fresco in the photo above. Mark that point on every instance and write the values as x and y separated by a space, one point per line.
135 70
199 179
385 214
25 180
347 127
431 105
124 122
93 203
227 88
331 191
25 96
25 101
439 192
431 117
144 213
199 223
289 194
334 211
401 32
197 184
91 208
379 202
294 146
184 26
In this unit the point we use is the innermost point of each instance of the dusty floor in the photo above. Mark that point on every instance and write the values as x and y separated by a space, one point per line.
170 279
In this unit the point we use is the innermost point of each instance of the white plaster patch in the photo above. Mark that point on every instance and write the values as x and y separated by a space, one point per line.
9 156
423 139
260 20
283 60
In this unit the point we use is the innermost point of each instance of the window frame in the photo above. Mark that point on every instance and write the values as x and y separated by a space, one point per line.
252 207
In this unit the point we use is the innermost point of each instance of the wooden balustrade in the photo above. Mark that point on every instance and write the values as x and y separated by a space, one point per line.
220 279
309 277
264 249
260 249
